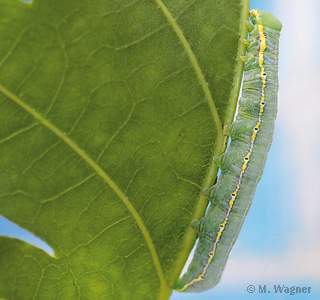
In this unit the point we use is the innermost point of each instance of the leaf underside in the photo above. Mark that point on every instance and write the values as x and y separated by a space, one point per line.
109 116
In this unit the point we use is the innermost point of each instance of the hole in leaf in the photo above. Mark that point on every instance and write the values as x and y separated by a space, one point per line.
7 228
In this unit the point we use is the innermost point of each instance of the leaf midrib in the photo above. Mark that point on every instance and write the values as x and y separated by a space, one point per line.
99 171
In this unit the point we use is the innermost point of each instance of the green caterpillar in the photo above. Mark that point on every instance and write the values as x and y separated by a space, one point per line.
242 165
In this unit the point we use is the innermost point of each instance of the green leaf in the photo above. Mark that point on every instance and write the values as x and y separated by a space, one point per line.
110 113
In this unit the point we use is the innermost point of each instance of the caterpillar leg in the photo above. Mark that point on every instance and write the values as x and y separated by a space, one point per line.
207 192
219 160
227 129
245 41
196 225
243 58
250 26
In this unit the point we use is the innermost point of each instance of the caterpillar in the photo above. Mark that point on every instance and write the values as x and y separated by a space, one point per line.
242 164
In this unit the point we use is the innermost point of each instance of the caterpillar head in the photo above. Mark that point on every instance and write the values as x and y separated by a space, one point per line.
265 18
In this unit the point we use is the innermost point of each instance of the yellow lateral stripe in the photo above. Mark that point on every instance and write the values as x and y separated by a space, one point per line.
262 47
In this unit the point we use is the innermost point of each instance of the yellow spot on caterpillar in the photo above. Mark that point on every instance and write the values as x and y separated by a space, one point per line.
263 75
254 12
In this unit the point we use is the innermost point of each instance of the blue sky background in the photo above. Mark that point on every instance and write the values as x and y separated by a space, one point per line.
280 240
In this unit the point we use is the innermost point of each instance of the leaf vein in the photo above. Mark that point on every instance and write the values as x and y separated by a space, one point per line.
195 65
100 172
